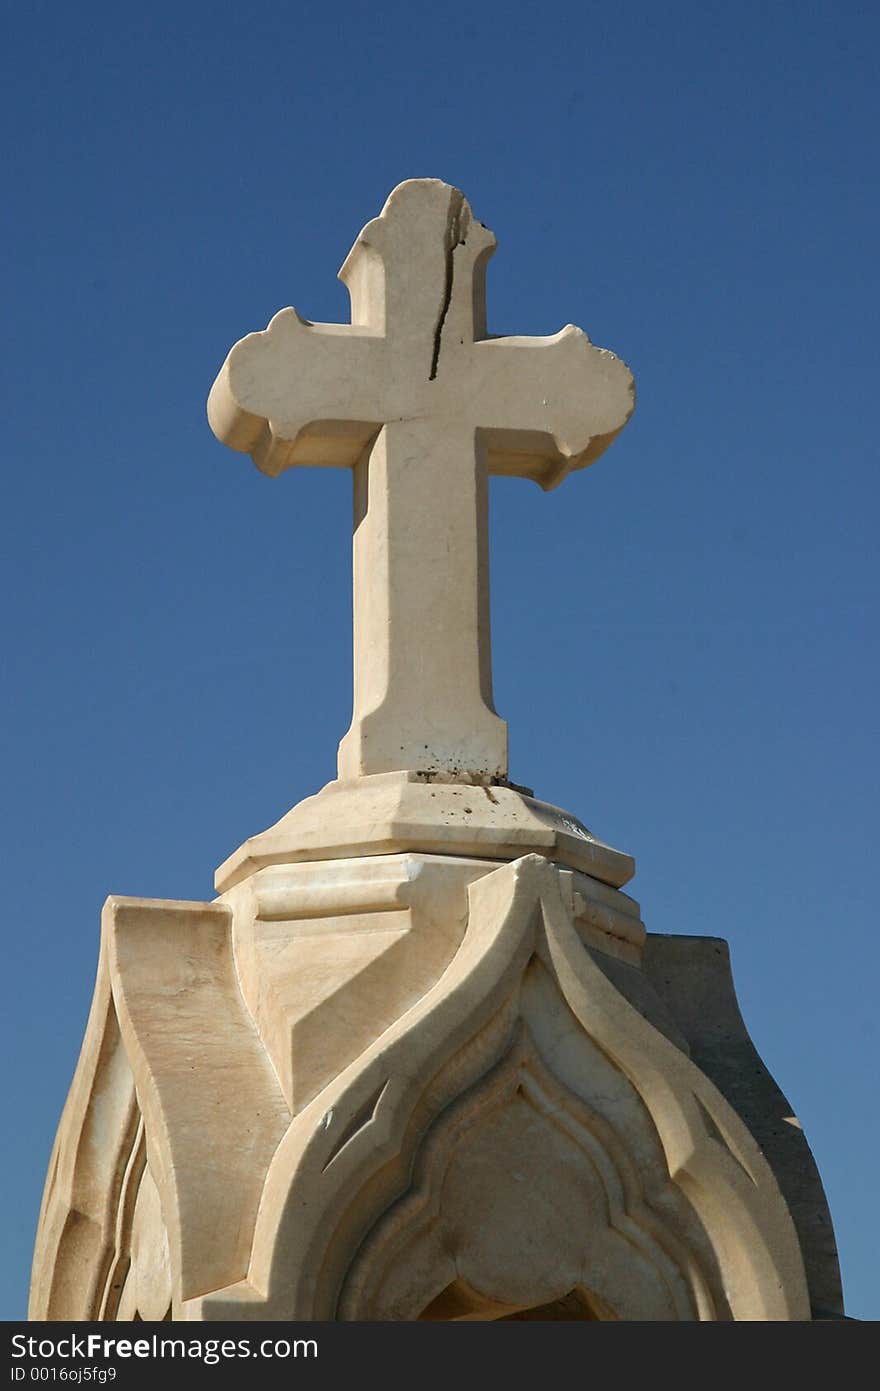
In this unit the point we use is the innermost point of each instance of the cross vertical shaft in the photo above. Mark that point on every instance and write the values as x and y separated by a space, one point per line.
422 655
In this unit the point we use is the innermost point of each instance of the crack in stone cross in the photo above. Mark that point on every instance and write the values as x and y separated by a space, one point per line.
422 404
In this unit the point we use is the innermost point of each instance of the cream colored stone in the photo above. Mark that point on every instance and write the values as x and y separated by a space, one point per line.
147 1290
490 1126
89 1184
171 1068
693 977
422 403
410 1064
329 955
393 812
521 1032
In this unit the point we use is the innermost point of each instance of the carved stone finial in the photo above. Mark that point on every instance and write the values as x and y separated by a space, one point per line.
423 405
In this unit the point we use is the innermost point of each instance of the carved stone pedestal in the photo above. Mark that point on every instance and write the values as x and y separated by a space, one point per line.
414 1085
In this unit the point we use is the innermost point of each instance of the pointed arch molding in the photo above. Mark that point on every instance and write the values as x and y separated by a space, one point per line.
352 1193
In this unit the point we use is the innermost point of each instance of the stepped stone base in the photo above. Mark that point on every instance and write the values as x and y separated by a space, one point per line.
416 1085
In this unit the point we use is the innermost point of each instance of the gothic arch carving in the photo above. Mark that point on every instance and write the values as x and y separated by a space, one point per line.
521 1194
347 1158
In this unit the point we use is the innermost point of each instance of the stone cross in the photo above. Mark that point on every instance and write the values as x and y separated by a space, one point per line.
422 403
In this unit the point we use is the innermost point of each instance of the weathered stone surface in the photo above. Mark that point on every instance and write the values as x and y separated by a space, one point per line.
422 403
693 977
390 812
495 1069
419 1059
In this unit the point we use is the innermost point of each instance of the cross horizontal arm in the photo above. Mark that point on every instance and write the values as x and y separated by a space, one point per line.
547 405
301 393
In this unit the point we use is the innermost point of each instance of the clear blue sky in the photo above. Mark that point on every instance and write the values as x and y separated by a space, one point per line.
685 635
